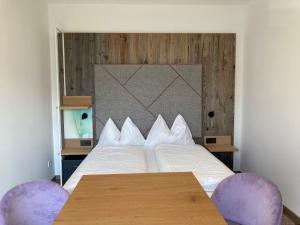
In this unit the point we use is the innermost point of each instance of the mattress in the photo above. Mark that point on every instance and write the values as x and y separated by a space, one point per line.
208 170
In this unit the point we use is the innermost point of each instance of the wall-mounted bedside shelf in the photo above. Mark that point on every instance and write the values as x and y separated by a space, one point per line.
222 148
77 132
76 102
75 151
74 107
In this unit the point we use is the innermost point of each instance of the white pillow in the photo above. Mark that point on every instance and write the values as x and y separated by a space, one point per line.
130 134
159 133
110 134
181 131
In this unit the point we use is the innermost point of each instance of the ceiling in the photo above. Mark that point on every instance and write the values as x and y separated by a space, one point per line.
158 2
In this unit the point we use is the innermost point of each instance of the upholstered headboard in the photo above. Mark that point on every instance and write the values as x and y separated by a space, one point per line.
144 91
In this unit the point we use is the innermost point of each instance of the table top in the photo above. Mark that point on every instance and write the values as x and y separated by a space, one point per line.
139 199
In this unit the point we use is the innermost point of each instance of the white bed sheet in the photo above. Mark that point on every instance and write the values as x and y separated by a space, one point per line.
208 170
110 160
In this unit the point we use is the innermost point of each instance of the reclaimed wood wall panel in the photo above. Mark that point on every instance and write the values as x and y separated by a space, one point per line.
60 65
80 58
216 53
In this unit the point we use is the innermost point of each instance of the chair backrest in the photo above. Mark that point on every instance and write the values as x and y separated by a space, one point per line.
33 203
1 218
248 199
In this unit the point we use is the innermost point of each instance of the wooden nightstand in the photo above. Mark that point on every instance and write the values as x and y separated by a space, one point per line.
221 147
72 155
71 159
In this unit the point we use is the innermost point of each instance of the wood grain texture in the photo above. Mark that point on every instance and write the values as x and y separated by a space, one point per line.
76 101
216 53
60 57
75 151
76 143
221 148
80 57
220 140
141 199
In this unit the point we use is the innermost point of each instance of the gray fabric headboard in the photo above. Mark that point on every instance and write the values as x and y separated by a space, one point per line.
144 91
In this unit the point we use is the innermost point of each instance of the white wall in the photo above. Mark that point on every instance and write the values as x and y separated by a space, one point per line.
25 134
148 18
271 112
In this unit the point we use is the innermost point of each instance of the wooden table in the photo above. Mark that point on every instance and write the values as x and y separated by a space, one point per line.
139 199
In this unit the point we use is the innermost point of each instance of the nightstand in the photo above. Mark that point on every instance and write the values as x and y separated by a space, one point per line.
71 159
221 147
73 153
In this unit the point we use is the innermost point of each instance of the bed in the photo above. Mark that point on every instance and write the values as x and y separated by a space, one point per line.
147 92
208 170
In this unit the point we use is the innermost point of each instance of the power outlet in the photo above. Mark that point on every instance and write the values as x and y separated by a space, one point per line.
49 164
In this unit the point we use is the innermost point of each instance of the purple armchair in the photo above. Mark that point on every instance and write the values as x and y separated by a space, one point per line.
33 203
247 199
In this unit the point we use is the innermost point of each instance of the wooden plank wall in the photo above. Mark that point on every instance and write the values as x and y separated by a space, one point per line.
216 53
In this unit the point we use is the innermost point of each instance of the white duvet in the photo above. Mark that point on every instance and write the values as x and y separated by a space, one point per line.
208 170
109 160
